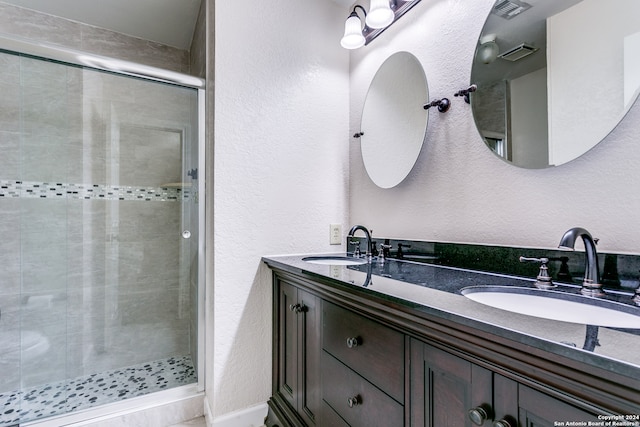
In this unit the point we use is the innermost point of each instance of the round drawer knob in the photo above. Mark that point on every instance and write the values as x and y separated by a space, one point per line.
353 342
502 423
478 415
296 308
354 401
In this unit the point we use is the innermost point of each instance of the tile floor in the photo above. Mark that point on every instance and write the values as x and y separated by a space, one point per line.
96 389
196 422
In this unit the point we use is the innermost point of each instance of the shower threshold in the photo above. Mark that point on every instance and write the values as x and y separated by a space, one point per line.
94 390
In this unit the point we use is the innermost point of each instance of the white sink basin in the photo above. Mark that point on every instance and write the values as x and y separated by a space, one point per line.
556 305
335 260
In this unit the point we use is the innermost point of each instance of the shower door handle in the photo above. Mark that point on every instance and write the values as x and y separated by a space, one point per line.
186 234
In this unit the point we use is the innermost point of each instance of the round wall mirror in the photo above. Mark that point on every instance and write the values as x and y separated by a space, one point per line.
554 77
394 121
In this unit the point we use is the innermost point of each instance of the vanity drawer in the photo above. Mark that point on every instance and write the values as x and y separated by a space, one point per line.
356 400
374 351
330 418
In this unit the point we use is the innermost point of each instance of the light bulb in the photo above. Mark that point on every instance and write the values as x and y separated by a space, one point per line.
380 14
353 37
488 49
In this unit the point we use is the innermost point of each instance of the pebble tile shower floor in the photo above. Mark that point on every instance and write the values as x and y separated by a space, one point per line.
93 390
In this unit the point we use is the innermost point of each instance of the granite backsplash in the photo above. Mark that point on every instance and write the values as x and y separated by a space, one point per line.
617 271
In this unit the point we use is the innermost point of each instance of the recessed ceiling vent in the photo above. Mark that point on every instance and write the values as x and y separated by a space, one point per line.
509 9
518 52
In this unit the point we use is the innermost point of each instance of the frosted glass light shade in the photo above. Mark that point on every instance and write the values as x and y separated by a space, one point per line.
488 52
380 14
353 37
488 49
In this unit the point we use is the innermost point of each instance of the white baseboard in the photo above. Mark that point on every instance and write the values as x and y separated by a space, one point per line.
208 414
249 417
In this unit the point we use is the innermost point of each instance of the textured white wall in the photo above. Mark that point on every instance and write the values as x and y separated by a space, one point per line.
528 115
281 170
459 191
572 43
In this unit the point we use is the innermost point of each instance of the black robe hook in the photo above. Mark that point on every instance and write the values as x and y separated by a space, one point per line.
442 104
465 93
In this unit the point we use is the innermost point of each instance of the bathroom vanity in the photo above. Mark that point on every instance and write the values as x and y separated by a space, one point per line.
394 343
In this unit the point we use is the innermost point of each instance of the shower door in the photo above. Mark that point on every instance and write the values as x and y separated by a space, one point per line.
100 240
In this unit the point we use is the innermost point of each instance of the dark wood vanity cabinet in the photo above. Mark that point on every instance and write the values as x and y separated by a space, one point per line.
297 375
536 409
449 391
363 369
343 359
444 388
333 367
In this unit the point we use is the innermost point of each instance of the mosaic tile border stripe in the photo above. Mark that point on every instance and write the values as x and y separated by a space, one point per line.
58 190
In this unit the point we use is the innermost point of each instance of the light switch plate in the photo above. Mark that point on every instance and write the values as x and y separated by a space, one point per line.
335 234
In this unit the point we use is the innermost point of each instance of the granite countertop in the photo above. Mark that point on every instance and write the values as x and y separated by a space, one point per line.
435 290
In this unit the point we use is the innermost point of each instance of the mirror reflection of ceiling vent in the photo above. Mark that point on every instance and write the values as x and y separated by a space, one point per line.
508 9
518 52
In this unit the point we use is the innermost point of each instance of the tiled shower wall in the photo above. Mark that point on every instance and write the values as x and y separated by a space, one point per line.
490 109
91 219
41 27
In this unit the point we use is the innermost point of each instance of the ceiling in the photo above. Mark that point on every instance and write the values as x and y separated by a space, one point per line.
529 27
347 3
170 22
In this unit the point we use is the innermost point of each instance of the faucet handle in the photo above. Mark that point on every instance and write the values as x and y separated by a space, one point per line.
543 280
400 254
636 297
384 250
527 259
356 251
374 249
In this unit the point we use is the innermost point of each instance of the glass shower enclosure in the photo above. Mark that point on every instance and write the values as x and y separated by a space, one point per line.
100 237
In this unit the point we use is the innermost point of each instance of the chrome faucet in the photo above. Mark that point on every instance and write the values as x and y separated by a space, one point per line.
367 236
591 285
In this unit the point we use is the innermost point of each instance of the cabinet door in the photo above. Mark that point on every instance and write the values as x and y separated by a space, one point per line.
309 355
540 410
445 387
288 343
299 350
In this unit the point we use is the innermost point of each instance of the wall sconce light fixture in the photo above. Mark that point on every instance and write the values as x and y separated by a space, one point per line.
353 37
488 49
382 13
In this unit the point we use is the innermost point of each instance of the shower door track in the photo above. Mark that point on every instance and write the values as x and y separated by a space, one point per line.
49 51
